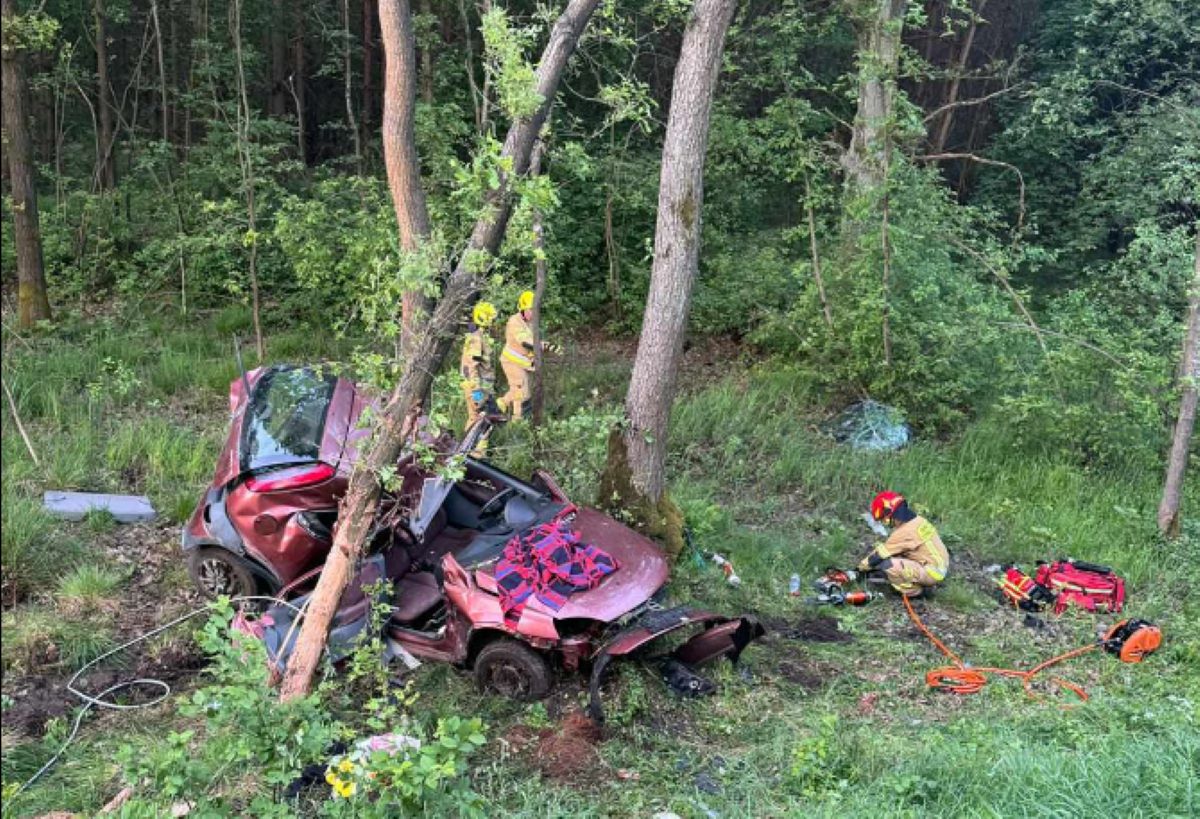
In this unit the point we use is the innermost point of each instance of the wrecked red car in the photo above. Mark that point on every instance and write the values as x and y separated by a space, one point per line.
265 525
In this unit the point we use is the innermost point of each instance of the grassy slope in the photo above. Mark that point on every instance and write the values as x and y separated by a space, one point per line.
814 728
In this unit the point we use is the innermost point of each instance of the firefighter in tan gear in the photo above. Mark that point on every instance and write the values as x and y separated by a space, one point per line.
913 558
517 357
476 369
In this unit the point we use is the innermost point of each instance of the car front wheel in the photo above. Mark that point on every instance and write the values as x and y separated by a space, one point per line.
514 670
217 572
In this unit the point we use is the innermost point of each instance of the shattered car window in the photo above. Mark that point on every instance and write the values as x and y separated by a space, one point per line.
286 417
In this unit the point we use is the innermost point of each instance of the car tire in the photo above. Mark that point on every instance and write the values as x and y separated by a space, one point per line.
514 670
216 572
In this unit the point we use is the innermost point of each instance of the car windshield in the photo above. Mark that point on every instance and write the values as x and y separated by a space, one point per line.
286 417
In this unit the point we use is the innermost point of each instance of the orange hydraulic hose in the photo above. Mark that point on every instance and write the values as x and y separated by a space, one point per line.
960 679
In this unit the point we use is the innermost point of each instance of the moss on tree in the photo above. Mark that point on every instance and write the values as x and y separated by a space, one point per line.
661 520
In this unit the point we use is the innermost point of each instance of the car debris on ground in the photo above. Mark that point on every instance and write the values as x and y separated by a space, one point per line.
870 425
77 506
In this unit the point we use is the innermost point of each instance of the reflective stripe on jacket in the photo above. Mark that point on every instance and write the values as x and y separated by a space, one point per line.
518 342
918 540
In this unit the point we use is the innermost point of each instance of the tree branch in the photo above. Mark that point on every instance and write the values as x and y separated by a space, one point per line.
935 113
985 161
1000 277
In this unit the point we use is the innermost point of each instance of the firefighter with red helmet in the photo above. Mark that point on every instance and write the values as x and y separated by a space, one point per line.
913 558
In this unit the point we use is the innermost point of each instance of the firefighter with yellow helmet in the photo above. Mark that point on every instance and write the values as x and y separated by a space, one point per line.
517 357
476 369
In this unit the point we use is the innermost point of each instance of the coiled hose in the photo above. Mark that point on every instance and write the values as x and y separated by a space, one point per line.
963 679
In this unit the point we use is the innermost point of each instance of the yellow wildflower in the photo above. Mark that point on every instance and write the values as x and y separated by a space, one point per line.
345 789
345 766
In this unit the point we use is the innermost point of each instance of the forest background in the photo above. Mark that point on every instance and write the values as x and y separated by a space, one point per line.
1005 248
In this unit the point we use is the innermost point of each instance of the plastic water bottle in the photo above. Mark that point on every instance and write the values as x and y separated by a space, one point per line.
730 576
794 586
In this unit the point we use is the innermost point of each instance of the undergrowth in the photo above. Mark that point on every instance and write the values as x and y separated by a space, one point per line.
804 729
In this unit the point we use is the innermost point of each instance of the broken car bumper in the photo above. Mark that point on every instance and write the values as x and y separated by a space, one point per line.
721 636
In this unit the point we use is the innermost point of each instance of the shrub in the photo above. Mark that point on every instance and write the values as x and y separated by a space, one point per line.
248 746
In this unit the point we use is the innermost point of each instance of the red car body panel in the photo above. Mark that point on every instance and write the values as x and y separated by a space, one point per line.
286 534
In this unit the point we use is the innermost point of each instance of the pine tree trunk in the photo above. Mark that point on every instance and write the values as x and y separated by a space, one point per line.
400 149
366 107
296 82
107 166
165 108
277 101
961 63
249 182
642 447
537 395
432 338
1189 377
348 87
426 61
33 303
878 58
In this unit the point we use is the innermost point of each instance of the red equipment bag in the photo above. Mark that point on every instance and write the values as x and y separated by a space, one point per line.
1023 592
1087 585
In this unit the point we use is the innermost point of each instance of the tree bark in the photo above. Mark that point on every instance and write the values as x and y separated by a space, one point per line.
348 87
296 84
432 338
961 62
366 106
537 397
33 303
277 101
248 180
400 150
106 172
676 259
1189 378
165 112
426 60
878 58
816 255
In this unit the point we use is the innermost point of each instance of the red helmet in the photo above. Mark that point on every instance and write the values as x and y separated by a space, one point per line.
885 504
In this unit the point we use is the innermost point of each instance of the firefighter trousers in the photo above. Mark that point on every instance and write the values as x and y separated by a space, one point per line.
516 400
909 577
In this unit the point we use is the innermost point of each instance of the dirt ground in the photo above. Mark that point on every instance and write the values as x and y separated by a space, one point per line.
566 754
155 592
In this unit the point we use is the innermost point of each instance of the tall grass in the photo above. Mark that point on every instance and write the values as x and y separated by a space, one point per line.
33 553
761 439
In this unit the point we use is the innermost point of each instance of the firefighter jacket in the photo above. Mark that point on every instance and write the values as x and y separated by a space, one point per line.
917 540
476 368
518 342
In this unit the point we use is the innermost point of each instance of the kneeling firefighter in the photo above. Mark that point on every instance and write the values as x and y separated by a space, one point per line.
913 558
476 368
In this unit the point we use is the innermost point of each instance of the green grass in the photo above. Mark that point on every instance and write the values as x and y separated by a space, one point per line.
88 587
37 639
815 729
34 550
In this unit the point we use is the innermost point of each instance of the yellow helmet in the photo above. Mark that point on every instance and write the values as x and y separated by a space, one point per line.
483 314
525 300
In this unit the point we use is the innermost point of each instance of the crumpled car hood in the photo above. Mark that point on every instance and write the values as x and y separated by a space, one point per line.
642 570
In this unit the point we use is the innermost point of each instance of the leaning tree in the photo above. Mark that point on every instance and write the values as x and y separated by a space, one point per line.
430 334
